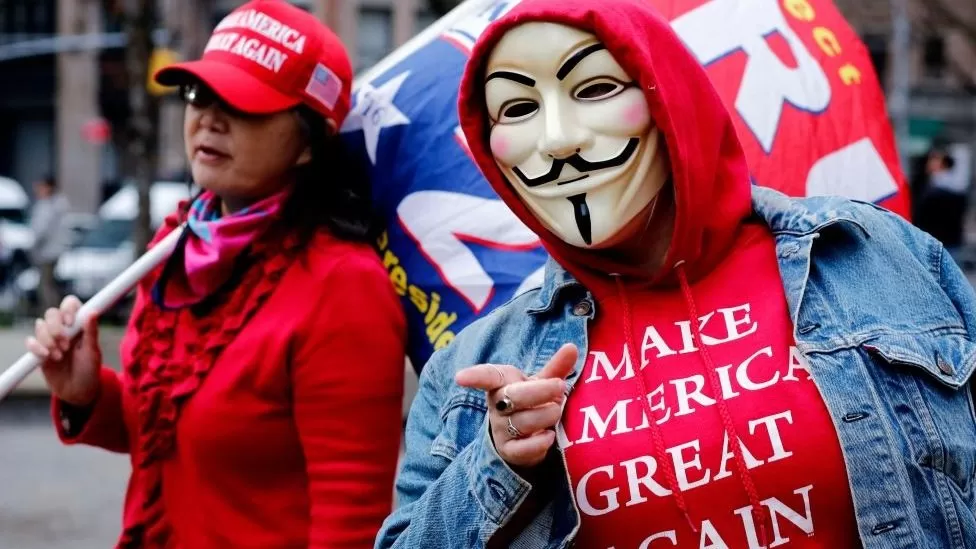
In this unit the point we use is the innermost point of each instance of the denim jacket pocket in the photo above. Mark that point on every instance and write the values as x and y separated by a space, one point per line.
461 418
942 412
947 358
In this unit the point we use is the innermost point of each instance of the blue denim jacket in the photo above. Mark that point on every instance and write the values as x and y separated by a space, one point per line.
883 316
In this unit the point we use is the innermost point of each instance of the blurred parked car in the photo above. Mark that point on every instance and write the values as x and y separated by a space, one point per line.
107 248
16 238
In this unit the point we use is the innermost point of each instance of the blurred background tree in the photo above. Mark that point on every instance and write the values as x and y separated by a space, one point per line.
138 23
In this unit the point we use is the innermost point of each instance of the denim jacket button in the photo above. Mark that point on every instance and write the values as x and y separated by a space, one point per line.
496 488
582 308
944 366
882 528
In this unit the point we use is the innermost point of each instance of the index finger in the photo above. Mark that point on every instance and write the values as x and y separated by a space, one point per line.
561 363
488 377
69 309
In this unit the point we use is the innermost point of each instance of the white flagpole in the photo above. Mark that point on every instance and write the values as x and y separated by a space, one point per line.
101 301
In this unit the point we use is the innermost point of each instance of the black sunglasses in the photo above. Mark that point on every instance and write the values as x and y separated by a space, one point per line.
201 96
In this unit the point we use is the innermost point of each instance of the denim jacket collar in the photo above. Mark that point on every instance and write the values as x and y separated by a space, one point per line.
556 280
803 217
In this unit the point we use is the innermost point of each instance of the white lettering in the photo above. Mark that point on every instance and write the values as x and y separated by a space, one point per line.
674 398
684 396
653 340
797 362
687 335
600 360
266 26
295 41
592 417
221 41
267 56
669 535
710 535
720 27
777 508
774 439
723 470
725 380
749 526
658 404
610 495
646 480
681 466
733 323
742 372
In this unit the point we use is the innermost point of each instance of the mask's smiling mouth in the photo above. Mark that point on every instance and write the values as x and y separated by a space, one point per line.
580 164
573 180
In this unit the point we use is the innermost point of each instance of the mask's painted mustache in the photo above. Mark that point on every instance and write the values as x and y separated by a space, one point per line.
581 164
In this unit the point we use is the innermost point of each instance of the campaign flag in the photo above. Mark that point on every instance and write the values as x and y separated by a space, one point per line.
804 96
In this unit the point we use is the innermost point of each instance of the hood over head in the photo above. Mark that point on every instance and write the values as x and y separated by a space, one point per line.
709 179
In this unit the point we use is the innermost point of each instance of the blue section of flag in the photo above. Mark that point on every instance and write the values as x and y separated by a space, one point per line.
425 154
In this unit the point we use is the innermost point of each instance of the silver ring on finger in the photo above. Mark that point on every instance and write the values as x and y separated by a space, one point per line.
513 431
505 403
501 376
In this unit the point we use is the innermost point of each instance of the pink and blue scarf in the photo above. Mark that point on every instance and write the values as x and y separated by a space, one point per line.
210 248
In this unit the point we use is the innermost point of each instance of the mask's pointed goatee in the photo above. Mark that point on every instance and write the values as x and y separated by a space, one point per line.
582 213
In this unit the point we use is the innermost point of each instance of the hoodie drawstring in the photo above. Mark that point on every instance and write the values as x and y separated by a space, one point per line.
664 463
748 483
658 440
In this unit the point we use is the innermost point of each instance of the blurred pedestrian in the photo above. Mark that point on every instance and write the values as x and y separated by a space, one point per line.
52 237
261 399
944 201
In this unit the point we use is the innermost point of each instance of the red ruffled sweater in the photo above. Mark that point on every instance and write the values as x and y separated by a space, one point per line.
274 419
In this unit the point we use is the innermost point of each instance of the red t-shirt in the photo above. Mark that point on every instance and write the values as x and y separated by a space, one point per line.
788 440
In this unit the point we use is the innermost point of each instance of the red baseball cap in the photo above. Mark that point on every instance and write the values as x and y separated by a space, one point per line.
268 56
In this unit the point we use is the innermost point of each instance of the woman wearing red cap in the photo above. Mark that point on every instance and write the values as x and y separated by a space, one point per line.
260 399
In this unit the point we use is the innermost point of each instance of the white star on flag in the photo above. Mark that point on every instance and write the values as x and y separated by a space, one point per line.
375 110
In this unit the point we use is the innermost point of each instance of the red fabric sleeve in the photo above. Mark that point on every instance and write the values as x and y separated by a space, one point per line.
348 392
105 426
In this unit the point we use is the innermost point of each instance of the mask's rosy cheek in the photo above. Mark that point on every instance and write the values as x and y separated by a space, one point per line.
499 145
635 115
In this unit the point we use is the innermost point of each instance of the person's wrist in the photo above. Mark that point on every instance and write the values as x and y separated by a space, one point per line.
85 399
528 473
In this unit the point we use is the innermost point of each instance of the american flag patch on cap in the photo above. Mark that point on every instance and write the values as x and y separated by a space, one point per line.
324 85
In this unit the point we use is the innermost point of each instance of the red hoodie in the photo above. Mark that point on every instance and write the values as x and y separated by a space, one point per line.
733 374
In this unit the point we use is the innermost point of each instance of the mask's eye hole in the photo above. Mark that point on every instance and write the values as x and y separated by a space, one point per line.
518 110
595 90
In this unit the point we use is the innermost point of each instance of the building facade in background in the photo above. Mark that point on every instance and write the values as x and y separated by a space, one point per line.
64 79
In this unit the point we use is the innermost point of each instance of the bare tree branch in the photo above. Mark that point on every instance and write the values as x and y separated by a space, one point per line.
950 17
940 17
